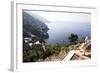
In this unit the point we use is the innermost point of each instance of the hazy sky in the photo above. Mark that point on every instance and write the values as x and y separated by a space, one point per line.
64 16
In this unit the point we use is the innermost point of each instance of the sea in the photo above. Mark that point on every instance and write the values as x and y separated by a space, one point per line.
60 31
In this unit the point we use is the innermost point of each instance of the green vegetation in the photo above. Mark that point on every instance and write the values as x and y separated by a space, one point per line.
32 54
73 38
57 48
35 52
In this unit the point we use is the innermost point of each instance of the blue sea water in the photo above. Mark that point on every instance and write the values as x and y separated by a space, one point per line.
59 31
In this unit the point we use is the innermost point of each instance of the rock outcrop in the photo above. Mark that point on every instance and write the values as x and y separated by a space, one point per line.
34 26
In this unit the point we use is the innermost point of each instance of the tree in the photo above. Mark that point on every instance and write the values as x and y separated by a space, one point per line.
73 38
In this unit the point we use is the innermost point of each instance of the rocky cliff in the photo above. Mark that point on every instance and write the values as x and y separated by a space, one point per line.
33 25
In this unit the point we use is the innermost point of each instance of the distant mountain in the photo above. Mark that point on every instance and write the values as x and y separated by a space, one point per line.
34 24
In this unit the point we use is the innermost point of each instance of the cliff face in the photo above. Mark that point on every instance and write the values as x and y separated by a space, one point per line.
34 26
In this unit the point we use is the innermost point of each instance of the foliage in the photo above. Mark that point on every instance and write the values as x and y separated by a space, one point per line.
36 53
73 38
57 48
